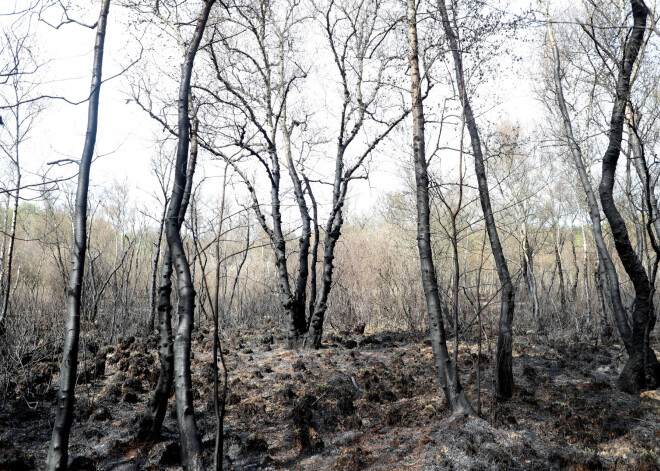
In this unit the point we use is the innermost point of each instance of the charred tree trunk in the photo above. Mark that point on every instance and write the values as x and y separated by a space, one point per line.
530 280
636 374
585 262
605 301
332 232
153 296
444 367
191 446
299 305
315 251
504 361
612 279
576 267
10 251
157 407
560 272
639 161
58 451
3 249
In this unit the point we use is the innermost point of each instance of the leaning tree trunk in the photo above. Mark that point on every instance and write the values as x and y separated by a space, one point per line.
642 172
611 279
504 361
444 367
59 444
635 375
191 446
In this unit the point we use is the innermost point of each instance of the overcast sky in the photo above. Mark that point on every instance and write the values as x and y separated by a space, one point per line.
126 136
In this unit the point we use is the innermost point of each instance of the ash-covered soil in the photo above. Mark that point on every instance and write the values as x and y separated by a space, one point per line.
361 402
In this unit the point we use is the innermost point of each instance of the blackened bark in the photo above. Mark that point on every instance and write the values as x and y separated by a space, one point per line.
153 296
354 111
152 421
504 361
605 328
58 450
6 291
299 302
560 272
219 404
191 446
530 279
635 376
278 243
315 251
611 279
576 280
444 367
157 406
332 232
3 249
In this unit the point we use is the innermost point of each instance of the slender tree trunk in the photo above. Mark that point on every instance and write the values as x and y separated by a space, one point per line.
530 279
612 278
560 273
157 407
315 251
300 296
191 446
218 404
576 279
641 169
153 295
3 250
504 361
158 403
10 250
605 300
59 444
444 367
332 232
585 262
216 294
635 375
278 243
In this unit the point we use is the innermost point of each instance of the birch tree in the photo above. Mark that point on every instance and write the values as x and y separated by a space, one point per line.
59 442
446 370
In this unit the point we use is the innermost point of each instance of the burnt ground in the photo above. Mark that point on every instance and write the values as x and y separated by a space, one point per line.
361 402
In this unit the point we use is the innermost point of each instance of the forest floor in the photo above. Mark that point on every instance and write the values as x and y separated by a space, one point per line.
361 402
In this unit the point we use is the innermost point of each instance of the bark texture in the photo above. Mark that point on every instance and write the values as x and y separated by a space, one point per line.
444 367
153 419
636 374
6 291
153 292
611 278
58 451
191 446
504 361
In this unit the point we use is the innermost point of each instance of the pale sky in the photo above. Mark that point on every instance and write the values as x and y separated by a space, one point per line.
126 135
